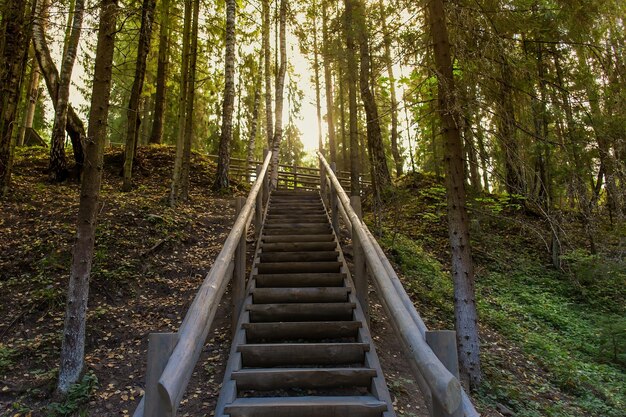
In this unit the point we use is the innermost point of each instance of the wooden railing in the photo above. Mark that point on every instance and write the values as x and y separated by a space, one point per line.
289 176
432 354
173 356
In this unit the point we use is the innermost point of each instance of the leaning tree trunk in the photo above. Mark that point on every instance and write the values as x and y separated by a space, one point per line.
223 162
156 136
182 106
13 50
58 161
191 94
328 83
73 344
458 223
267 53
132 112
280 83
74 126
351 68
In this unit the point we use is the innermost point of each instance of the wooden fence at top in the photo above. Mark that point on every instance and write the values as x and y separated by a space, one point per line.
289 176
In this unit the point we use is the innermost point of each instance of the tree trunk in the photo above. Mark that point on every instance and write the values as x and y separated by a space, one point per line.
316 68
58 161
14 35
458 223
73 344
380 171
191 95
328 83
182 106
223 162
156 136
345 156
132 113
32 96
74 126
351 68
280 83
254 117
267 68
395 151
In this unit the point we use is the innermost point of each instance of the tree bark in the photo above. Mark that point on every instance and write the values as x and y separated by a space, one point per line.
58 161
14 35
74 126
328 84
280 83
254 117
182 106
267 68
73 345
223 162
33 96
132 113
351 69
458 223
156 136
316 68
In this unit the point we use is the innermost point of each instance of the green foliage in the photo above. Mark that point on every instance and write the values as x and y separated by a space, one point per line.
78 396
7 356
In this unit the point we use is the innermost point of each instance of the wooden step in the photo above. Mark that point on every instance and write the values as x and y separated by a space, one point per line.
309 406
297 267
309 330
297 225
296 218
292 193
300 312
300 280
300 295
318 256
308 230
271 379
298 238
298 246
289 354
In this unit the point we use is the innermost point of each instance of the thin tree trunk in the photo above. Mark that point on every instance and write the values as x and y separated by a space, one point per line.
14 35
316 68
132 113
328 83
223 162
58 161
267 68
191 95
74 126
182 106
254 117
395 151
156 136
33 97
73 344
351 67
458 222
280 83
342 109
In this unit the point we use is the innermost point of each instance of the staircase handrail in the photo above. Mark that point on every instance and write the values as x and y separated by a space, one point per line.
444 386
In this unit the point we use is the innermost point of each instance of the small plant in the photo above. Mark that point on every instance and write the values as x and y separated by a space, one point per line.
77 396
7 356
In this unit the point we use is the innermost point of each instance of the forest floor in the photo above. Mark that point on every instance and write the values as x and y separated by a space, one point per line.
149 261
553 340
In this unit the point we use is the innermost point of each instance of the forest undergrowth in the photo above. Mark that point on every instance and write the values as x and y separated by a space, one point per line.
553 340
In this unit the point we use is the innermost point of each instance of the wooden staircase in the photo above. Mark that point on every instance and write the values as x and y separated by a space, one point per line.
302 347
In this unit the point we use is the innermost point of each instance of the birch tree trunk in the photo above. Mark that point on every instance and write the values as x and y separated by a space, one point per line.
223 162
328 83
156 136
267 68
32 95
458 223
254 117
58 161
73 344
280 83
316 68
132 113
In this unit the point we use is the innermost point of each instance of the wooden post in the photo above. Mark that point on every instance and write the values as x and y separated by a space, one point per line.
258 208
239 272
295 177
361 281
443 344
266 183
334 203
160 347
323 181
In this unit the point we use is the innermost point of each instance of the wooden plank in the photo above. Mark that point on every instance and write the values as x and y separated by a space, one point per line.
286 354
298 267
310 406
298 246
300 295
323 279
271 379
298 238
311 330
300 312
316 256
